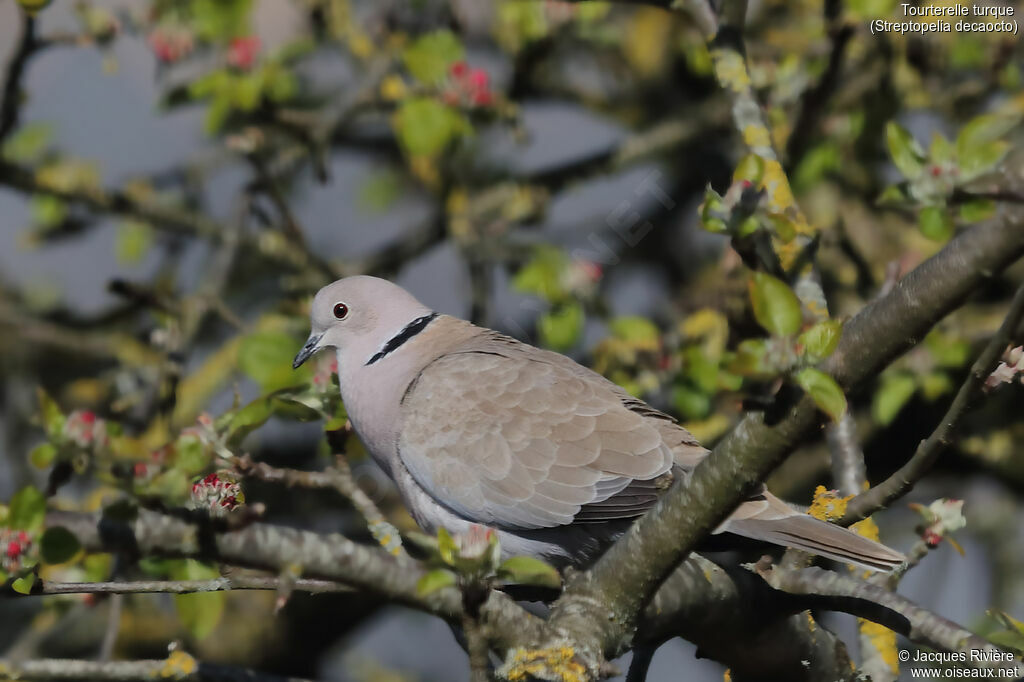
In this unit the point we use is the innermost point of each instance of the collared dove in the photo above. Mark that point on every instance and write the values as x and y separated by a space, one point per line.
476 427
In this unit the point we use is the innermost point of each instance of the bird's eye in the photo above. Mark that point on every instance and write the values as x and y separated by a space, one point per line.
340 311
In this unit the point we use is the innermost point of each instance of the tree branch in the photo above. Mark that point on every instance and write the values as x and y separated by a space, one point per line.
626 576
222 584
338 478
900 483
878 604
178 666
10 106
276 548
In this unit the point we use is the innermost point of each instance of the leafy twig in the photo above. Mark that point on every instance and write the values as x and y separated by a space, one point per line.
929 450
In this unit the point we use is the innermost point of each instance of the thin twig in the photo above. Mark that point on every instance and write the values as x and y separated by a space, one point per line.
897 485
113 628
338 478
223 584
10 107
178 666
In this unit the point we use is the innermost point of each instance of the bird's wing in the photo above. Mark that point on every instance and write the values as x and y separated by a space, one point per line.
510 436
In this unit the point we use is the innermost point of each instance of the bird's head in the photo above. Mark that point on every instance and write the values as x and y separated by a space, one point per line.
359 316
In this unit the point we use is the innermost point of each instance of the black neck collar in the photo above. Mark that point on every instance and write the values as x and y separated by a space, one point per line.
410 330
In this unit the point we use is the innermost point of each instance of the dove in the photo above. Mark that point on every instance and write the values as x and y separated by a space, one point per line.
479 429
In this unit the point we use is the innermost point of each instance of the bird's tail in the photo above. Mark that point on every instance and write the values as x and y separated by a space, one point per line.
805 532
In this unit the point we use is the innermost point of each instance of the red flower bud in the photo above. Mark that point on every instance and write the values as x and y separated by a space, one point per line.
459 68
479 79
242 52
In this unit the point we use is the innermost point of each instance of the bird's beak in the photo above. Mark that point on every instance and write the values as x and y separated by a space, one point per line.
307 350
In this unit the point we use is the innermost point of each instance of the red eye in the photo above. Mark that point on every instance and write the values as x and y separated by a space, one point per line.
340 311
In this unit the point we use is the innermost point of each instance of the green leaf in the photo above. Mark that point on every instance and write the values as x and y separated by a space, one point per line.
23 585
751 360
42 455
936 223
27 510
750 168
690 403
429 57
976 210
561 327
28 143
266 358
982 158
821 339
218 20
435 580
248 419
190 455
892 195
824 391
784 228
905 151
701 370
635 330
279 83
983 129
380 191
713 212
896 389
935 384
527 570
948 350
247 90
48 211
133 241
941 149
776 307
446 547
425 126
217 114
58 545
97 567
200 613
541 276
53 418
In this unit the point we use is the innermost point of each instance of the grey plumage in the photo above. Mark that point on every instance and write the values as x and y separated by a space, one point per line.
478 428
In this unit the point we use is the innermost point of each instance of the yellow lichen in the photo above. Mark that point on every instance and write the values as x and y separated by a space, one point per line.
827 504
882 640
557 664
868 528
178 665
756 136
730 69
393 88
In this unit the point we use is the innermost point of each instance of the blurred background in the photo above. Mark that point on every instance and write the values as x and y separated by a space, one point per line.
177 178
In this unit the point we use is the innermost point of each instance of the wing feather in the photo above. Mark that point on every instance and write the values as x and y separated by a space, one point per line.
519 438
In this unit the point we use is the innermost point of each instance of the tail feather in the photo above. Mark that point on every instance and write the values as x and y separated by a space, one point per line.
818 537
